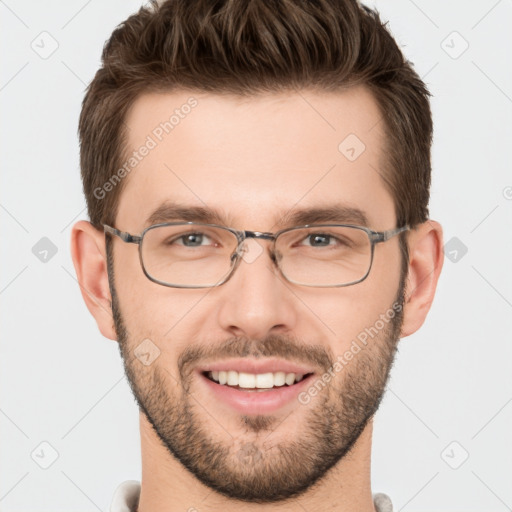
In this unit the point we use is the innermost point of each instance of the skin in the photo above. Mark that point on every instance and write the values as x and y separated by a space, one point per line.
255 159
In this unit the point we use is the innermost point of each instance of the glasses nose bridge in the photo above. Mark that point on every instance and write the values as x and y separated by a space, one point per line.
262 235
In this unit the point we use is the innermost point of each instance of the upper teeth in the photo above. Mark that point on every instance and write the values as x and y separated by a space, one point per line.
252 380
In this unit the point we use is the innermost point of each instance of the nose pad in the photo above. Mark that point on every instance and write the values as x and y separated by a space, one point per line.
250 254
251 250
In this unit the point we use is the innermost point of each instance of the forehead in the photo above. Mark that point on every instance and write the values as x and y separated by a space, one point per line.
255 159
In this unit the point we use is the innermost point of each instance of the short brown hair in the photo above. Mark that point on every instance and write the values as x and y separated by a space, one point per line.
239 47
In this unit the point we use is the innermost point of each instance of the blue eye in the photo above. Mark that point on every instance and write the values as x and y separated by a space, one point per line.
192 239
319 238
324 240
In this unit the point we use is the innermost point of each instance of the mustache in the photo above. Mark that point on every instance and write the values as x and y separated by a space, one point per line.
271 346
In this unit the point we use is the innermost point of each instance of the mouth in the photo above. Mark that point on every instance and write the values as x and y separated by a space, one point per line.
253 393
255 382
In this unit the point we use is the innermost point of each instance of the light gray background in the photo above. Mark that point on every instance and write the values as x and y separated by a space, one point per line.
62 383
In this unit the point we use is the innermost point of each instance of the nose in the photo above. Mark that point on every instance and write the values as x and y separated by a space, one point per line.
256 299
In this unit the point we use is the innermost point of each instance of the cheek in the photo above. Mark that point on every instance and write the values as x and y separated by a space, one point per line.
384 277
129 276
344 313
137 295
357 312
162 314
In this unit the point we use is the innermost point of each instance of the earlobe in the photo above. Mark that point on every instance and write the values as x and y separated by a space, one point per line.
425 263
89 259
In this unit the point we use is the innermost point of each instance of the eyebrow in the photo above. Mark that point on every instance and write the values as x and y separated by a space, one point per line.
337 213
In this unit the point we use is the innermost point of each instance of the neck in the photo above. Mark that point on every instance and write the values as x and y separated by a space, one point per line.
167 485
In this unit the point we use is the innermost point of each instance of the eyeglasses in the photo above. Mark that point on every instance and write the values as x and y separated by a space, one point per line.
198 255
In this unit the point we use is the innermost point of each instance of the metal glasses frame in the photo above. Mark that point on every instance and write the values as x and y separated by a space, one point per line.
375 237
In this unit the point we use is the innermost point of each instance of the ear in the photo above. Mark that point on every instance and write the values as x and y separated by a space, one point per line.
426 259
90 261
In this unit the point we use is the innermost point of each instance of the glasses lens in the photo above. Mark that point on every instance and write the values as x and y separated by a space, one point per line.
188 254
324 255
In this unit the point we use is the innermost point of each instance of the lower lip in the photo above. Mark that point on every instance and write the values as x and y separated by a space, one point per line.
256 402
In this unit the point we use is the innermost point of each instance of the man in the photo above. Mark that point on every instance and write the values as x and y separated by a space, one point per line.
257 178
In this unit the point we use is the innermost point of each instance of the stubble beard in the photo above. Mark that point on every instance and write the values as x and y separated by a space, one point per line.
254 464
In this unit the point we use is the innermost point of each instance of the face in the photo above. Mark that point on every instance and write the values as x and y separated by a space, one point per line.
253 161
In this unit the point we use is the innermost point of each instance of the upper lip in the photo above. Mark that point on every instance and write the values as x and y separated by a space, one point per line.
257 366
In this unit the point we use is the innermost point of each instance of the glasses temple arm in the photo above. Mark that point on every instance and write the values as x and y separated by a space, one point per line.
383 236
123 235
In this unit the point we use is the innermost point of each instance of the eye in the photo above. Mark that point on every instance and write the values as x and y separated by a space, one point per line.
319 239
195 239
324 240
